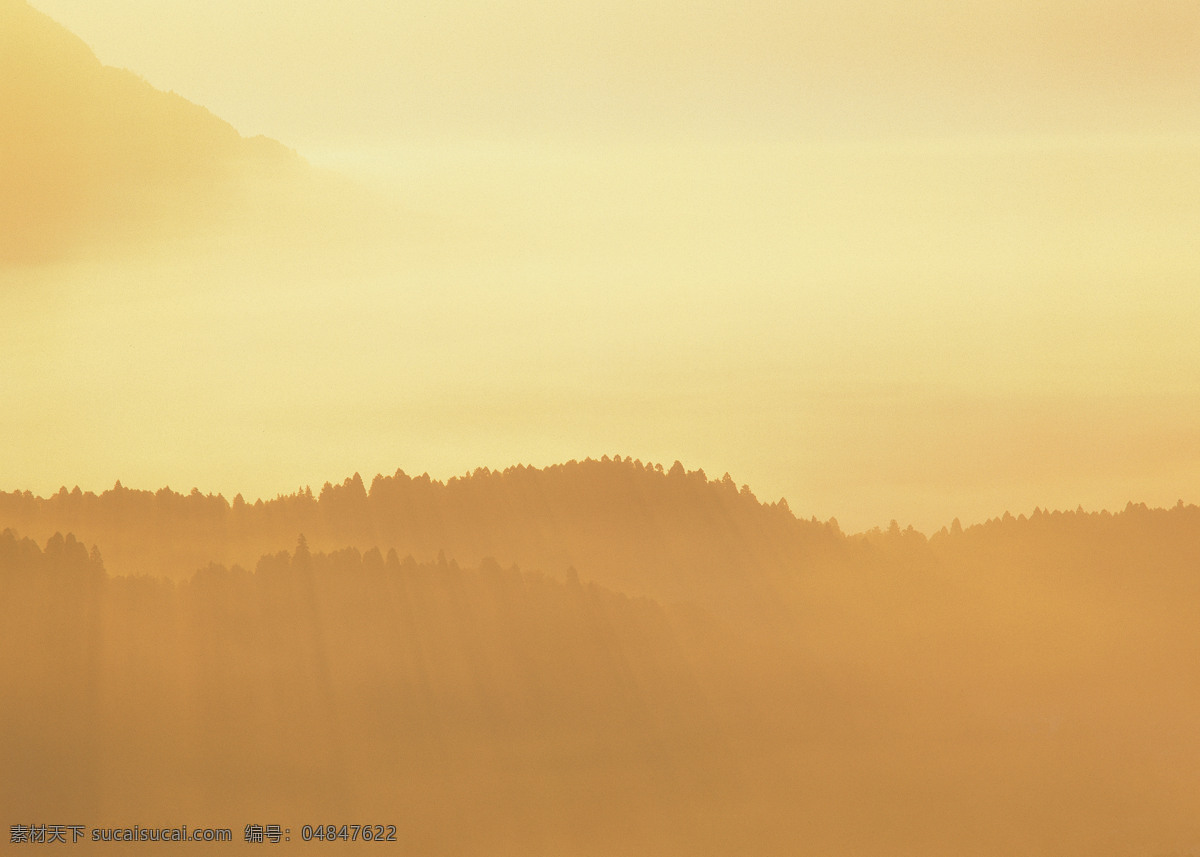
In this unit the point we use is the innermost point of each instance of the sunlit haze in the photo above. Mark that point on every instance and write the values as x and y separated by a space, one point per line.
542 429
887 260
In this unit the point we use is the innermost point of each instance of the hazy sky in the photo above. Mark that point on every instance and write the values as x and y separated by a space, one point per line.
910 260
319 72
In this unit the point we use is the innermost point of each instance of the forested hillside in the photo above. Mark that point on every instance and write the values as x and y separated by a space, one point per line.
668 534
1025 685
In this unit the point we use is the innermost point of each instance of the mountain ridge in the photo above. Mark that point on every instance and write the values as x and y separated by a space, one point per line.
642 529
92 155
948 690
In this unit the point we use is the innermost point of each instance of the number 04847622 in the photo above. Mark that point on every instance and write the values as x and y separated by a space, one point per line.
349 832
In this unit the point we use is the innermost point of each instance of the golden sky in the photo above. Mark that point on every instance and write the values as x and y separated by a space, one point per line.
321 72
890 260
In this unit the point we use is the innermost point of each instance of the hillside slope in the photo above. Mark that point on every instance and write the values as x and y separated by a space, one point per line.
486 710
95 156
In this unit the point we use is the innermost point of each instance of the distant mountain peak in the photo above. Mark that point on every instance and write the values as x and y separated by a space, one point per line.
90 153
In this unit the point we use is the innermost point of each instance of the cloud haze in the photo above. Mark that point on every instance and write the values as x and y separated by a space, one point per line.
888 261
